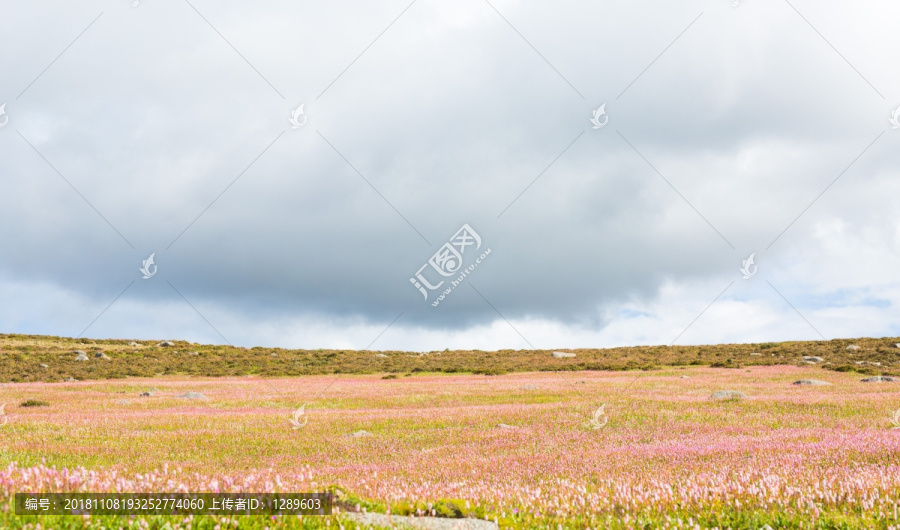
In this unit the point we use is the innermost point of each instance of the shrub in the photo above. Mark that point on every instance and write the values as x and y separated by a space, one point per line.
453 508
34 403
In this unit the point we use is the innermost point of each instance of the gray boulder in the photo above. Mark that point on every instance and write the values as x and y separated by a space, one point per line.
45 366
165 344
562 355
853 347
727 394
812 359
814 382
191 395
101 355
81 357
146 394
880 379
360 434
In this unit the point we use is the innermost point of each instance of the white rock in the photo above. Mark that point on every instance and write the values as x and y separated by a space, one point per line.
191 395
505 426
360 434
812 359
755 354
562 355
81 356
727 394
814 382
853 347
880 379
380 355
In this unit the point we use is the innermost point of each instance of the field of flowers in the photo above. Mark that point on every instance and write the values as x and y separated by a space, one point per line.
517 448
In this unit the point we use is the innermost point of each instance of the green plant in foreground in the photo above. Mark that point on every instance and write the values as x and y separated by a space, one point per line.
34 403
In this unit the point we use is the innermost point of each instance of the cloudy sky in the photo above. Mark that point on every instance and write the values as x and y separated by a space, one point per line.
164 128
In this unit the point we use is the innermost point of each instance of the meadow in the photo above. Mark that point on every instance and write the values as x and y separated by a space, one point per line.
517 448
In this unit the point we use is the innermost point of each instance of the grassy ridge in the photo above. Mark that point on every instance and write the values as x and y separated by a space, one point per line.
21 357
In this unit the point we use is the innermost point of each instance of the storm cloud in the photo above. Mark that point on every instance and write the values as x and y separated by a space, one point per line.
731 129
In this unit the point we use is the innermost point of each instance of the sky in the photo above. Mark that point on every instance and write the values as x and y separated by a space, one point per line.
480 174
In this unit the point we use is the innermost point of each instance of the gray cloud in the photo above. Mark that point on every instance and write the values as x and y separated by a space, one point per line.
449 116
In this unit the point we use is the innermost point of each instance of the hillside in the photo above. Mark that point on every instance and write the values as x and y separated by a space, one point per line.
43 358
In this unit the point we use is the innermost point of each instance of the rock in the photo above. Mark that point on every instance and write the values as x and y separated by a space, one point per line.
44 366
71 380
685 377
133 344
380 355
193 353
359 434
101 355
853 347
191 395
273 354
811 382
562 355
123 402
812 359
81 356
368 520
727 394
505 426
529 387
146 394
755 354
897 345
880 379
165 344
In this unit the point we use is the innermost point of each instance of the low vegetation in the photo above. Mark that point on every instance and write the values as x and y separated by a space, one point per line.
31 358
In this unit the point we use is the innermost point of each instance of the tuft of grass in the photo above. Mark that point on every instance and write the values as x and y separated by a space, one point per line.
34 403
